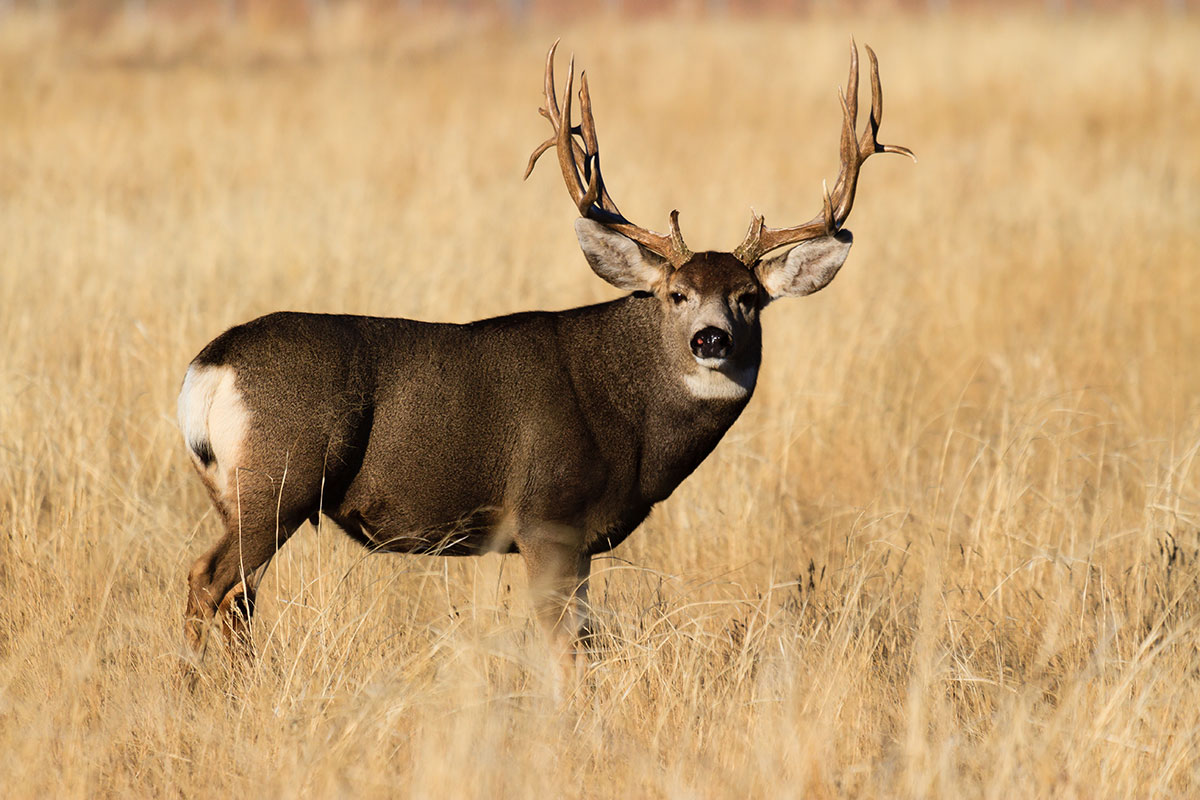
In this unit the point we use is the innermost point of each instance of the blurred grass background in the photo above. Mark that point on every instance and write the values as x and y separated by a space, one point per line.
948 551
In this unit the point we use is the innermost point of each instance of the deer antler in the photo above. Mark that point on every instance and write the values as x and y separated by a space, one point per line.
580 165
761 239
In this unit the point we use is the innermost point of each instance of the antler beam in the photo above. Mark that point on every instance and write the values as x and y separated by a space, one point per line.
854 151
579 158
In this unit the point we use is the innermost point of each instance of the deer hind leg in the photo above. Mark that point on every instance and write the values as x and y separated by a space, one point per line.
236 611
262 491
224 581
200 607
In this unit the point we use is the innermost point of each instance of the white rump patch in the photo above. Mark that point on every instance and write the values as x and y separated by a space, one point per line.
712 384
213 418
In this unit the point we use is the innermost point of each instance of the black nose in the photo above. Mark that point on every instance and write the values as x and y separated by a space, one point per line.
712 342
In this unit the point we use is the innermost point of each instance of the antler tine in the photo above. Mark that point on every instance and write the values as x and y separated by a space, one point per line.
876 119
591 145
854 151
573 160
551 109
827 210
847 182
580 161
552 113
850 98
869 140
847 145
566 150
537 153
580 165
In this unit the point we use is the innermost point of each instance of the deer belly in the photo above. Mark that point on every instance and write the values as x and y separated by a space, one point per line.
430 517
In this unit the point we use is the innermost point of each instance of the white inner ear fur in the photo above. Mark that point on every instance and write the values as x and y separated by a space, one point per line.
806 268
618 259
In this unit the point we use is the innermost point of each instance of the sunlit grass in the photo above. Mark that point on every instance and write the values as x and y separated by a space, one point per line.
949 550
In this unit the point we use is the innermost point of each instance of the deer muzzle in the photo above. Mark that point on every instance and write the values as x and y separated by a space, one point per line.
712 343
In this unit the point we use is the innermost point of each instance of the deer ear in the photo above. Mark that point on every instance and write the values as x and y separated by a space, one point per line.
806 268
618 259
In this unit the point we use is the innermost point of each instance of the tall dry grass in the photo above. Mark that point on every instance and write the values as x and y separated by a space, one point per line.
950 549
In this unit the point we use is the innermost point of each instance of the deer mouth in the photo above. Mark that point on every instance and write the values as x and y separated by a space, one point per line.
715 364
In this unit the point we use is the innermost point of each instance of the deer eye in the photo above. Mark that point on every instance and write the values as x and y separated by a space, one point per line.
678 298
748 300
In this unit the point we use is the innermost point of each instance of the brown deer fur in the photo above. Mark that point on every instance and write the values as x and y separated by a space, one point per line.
549 434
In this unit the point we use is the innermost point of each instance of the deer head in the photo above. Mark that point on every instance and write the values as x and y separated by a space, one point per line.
710 301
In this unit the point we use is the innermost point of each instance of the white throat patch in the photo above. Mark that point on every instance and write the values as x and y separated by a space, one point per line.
711 384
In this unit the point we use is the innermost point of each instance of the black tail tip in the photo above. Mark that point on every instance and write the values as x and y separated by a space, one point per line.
204 452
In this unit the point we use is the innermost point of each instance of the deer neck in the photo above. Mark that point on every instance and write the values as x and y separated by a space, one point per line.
630 360
642 396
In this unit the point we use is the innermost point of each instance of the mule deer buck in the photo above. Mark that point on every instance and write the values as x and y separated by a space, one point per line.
549 434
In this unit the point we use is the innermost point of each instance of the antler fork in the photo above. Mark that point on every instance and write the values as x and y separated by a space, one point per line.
580 164
854 151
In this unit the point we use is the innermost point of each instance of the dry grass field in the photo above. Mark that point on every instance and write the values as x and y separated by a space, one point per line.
952 548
